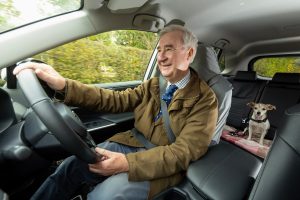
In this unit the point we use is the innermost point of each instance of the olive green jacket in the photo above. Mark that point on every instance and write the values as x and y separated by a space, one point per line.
193 116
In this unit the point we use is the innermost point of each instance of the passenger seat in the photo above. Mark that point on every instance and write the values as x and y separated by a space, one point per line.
280 176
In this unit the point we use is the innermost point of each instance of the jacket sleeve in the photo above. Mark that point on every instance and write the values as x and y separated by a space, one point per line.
190 145
100 99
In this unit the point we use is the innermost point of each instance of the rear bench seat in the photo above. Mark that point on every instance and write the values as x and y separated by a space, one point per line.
246 88
283 91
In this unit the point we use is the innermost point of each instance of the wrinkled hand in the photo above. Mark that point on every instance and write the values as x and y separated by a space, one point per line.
111 163
44 72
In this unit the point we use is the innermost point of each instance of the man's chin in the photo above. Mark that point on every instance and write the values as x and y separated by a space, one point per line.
164 73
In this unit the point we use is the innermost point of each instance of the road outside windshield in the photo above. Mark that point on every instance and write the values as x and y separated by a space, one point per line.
15 13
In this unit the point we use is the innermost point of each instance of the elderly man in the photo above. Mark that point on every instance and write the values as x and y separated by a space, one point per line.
129 170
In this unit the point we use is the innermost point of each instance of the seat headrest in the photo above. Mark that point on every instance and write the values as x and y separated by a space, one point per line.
245 76
291 78
206 62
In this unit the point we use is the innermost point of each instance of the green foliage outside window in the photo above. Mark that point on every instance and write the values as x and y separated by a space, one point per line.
114 56
2 82
267 67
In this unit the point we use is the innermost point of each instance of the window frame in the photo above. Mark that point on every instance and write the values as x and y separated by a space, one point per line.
43 19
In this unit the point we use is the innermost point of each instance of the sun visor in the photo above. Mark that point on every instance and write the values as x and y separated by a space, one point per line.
93 4
125 6
148 22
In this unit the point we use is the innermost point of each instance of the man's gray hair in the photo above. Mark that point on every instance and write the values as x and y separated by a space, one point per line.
188 38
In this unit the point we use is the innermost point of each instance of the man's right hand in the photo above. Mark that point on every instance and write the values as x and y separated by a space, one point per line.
44 72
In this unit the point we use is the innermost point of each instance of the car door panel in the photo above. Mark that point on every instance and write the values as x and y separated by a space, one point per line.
103 125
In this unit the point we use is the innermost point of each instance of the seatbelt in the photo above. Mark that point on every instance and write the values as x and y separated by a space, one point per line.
164 110
166 119
141 138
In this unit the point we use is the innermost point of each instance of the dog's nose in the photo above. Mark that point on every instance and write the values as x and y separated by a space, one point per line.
258 113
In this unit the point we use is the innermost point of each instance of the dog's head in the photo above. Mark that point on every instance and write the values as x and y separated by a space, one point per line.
260 110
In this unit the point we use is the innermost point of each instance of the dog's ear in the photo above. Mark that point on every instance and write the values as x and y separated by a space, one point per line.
271 107
251 104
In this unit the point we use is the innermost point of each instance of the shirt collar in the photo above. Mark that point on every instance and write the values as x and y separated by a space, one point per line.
183 82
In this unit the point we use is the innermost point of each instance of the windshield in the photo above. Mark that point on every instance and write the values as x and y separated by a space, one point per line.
15 13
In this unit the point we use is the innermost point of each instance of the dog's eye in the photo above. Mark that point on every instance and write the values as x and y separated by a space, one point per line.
264 109
255 108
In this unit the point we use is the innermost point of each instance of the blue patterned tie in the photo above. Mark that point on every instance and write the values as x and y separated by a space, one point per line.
167 97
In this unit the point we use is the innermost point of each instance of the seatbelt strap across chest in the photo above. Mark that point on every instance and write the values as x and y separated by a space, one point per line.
166 120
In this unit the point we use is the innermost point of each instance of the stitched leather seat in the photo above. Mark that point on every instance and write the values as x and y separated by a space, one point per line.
283 91
208 69
246 88
280 176
226 172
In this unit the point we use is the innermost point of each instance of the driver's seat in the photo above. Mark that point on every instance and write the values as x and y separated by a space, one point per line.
207 66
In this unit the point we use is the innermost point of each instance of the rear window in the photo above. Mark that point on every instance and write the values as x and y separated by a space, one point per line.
15 13
268 66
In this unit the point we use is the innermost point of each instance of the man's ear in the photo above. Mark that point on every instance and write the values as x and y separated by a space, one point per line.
190 54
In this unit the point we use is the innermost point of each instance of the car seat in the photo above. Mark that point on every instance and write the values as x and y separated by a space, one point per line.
207 66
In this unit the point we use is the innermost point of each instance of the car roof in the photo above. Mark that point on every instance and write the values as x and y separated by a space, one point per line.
243 29
240 22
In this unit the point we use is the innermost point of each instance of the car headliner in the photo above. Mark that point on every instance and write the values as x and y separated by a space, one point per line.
249 28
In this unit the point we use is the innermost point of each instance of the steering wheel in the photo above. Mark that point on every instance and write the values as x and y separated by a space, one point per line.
58 118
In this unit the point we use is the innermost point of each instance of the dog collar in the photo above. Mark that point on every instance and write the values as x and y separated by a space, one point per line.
259 121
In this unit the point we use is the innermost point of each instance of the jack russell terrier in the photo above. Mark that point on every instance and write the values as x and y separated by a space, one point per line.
259 123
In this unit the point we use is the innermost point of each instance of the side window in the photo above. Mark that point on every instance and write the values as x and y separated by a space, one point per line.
116 56
221 58
267 67
222 62
2 77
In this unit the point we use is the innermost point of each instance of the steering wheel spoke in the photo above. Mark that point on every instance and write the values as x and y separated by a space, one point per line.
58 118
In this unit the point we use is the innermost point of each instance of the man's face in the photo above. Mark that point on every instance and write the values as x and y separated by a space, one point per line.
173 58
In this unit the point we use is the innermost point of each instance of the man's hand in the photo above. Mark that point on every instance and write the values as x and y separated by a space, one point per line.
44 72
111 163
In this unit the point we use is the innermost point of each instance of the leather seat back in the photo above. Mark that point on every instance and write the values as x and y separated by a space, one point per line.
246 88
280 175
208 69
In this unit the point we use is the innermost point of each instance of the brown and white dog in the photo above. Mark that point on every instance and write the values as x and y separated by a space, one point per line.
259 123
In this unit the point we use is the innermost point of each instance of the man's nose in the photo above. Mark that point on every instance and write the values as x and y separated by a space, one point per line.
161 56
